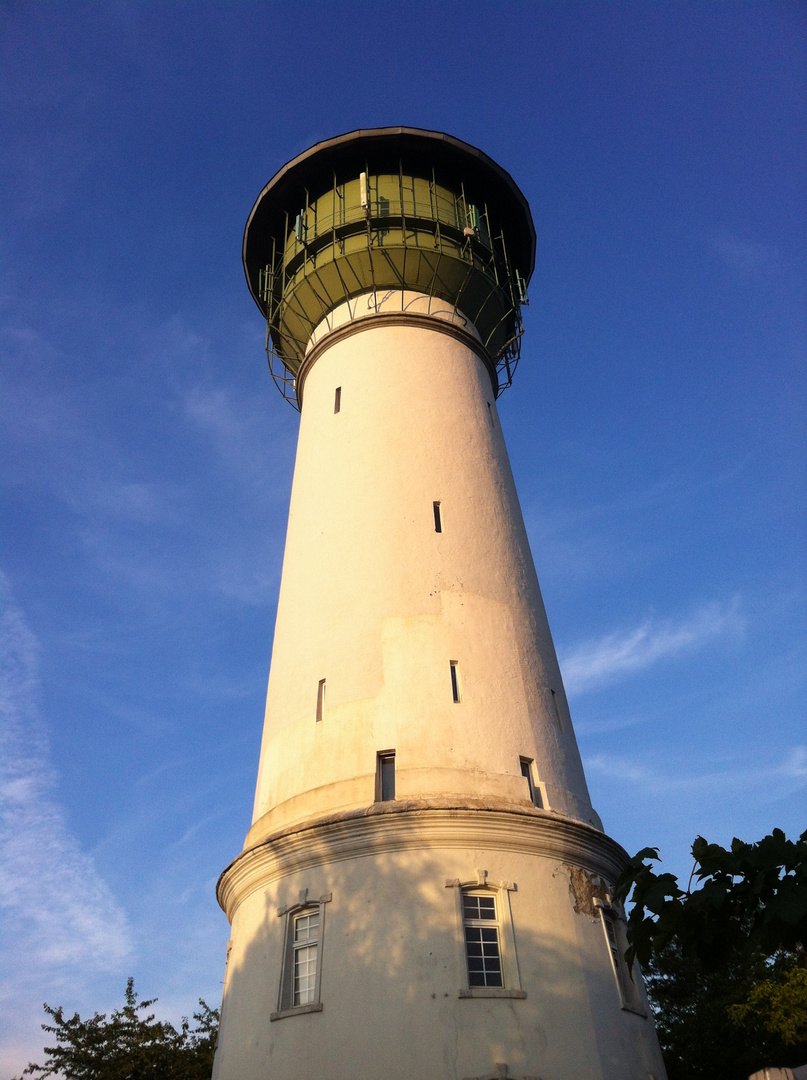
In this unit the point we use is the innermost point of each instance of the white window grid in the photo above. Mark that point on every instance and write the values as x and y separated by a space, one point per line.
305 945
301 968
484 906
482 944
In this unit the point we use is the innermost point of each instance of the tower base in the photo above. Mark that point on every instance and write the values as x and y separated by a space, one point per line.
388 993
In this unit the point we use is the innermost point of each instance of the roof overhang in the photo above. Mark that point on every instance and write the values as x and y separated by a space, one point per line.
384 150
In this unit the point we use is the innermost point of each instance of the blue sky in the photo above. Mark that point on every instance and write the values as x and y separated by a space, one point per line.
656 428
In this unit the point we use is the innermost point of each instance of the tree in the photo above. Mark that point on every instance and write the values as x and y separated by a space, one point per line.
129 1045
777 1007
724 963
753 898
727 1021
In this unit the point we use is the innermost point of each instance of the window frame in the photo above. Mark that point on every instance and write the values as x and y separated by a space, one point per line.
382 757
627 982
511 978
285 997
536 788
456 681
437 506
479 923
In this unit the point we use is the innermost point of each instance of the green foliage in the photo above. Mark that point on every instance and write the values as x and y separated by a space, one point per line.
724 962
130 1045
752 899
711 1025
777 1008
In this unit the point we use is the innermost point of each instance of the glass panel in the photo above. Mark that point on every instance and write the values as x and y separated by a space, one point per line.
455 684
487 907
609 927
482 952
478 907
387 778
305 974
622 975
306 927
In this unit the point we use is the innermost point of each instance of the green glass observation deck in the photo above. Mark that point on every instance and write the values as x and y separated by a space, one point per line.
389 209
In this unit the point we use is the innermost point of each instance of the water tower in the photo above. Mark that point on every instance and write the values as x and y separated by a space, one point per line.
424 893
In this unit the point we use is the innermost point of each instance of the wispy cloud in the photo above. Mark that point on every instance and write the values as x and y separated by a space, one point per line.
749 258
789 773
59 912
795 766
136 502
605 659
257 450
234 425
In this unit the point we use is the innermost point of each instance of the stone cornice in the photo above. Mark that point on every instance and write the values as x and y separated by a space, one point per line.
422 823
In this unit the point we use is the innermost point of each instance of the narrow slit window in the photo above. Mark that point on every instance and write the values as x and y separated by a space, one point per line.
385 776
534 790
321 699
456 690
337 399
556 707
438 518
490 414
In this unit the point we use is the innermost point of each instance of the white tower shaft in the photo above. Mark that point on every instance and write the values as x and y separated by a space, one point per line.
376 605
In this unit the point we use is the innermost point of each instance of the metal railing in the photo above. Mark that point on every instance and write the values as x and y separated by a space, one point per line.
365 236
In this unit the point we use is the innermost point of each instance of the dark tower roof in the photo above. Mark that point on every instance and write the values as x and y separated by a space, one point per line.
385 150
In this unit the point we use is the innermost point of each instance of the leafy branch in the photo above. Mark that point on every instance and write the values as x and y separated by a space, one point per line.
752 898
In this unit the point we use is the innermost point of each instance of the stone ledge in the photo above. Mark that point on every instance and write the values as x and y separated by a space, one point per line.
315 1006
492 992
423 823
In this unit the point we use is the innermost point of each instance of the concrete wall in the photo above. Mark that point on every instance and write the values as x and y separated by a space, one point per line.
378 604
393 970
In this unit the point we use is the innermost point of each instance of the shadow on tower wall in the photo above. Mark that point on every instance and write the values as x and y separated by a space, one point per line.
393 970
